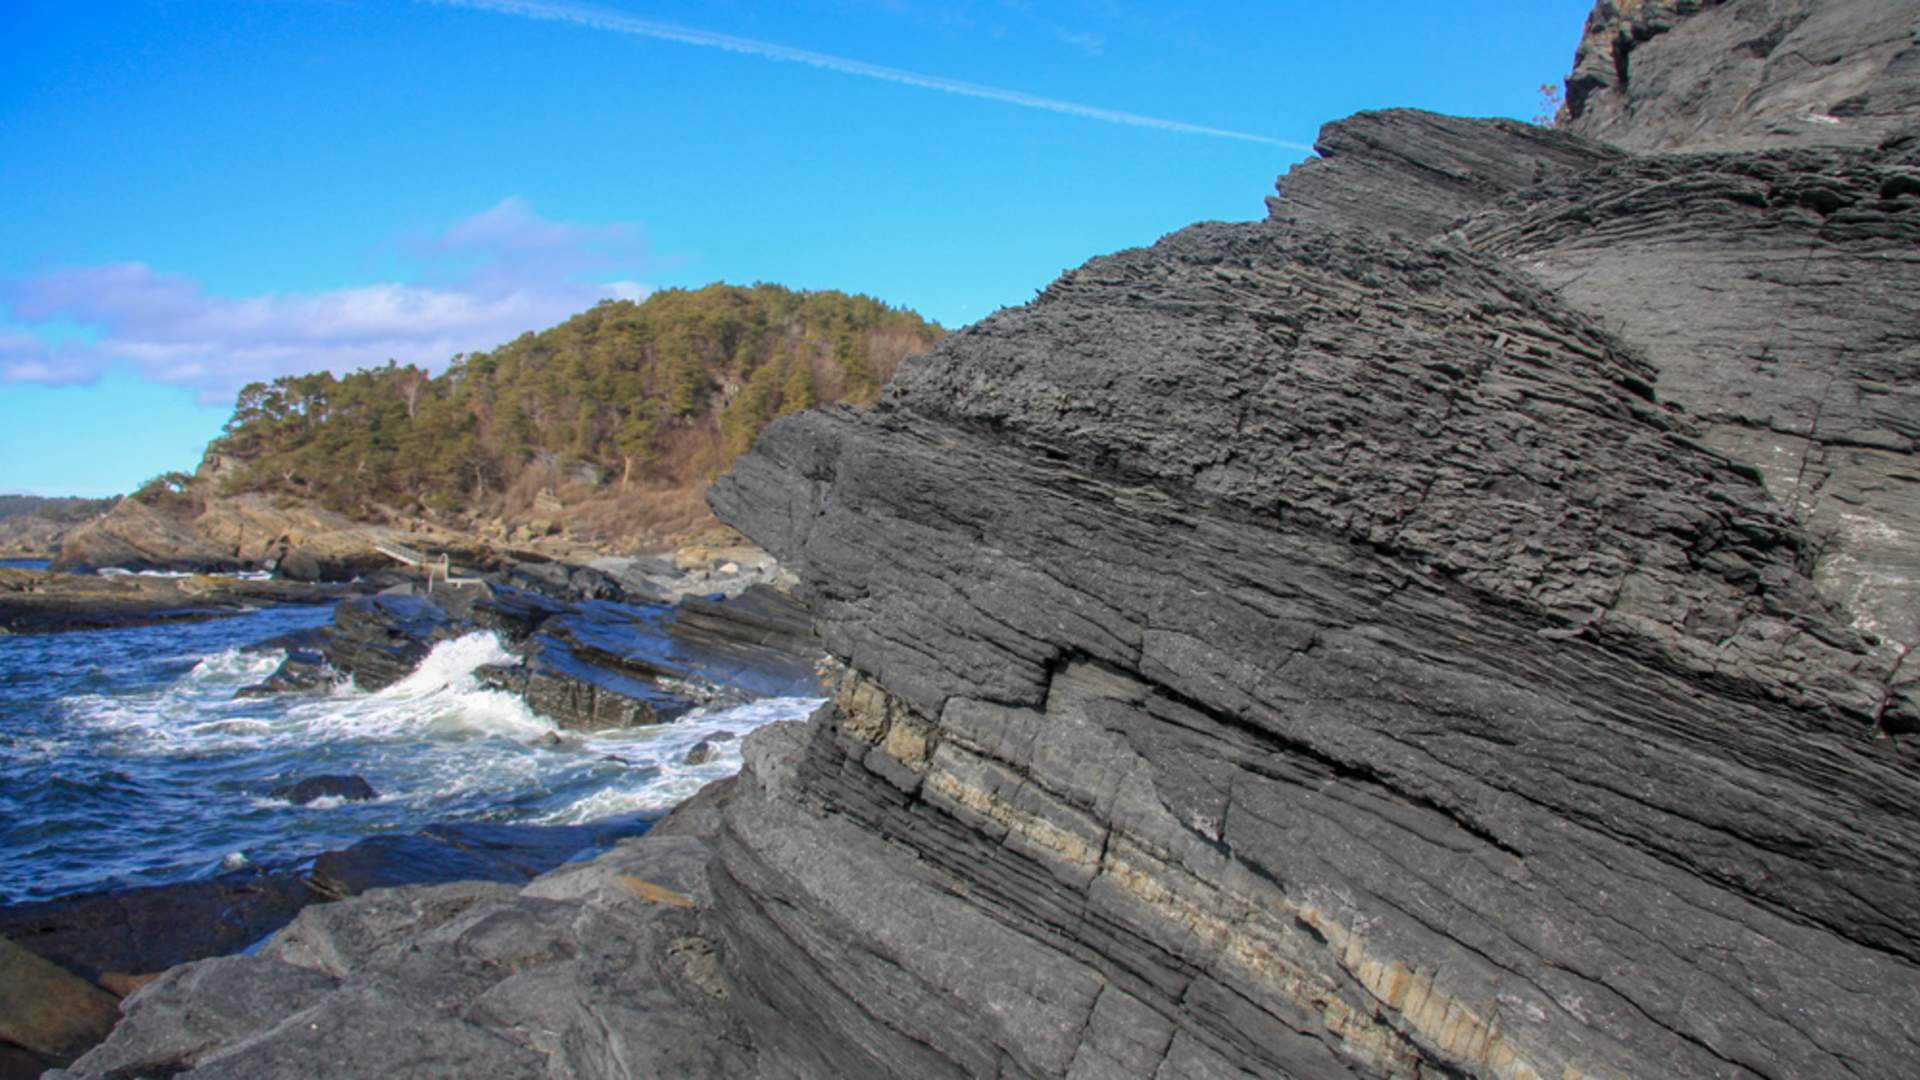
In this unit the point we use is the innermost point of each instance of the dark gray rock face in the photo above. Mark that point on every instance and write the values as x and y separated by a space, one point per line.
1397 664
379 640
150 929
1314 647
1415 173
1745 74
1807 367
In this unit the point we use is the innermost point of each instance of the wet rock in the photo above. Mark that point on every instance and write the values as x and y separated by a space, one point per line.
589 663
379 640
582 696
707 748
48 1012
599 664
302 792
303 671
563 581
156 927
469 851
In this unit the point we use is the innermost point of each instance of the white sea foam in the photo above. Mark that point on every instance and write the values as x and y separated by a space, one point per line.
236 665
441 697
437 746
450 664
659 753
238 575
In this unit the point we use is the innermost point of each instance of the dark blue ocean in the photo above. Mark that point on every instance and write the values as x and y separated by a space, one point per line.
127 759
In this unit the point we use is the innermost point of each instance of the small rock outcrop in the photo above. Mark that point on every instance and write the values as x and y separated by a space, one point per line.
192 528
1319 646
312 788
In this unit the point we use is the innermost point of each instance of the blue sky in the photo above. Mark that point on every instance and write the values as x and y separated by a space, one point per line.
204 192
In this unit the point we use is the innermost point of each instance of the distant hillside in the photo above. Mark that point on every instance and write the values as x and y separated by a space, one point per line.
64 509
621 415
33 525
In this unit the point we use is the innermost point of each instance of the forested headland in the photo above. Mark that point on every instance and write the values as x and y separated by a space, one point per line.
622 414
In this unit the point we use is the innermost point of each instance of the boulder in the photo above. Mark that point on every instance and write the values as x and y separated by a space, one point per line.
303 671
48 1012
708 749
302 792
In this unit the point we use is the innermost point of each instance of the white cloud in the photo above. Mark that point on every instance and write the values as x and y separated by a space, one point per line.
489 278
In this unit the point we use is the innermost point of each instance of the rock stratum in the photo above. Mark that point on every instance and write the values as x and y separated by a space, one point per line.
1453 627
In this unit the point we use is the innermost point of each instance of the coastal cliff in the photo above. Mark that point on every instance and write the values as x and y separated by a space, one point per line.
1455 626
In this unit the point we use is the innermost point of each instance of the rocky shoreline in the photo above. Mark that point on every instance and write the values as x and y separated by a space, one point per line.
43 602
597 651
1456 626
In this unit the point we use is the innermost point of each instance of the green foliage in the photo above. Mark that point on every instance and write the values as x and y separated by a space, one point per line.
683 381
64 510
170 491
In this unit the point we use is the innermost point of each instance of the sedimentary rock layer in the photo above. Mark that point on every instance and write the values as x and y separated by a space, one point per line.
1746 74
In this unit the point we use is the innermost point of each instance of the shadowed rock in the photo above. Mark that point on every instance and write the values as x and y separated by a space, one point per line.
47 1012
302 792
150 929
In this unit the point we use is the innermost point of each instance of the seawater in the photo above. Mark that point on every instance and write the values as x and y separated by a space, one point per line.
126 757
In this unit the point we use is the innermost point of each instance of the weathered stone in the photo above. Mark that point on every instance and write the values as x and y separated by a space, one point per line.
703 751
49 1011
460 851
155 927
1746 74
304 791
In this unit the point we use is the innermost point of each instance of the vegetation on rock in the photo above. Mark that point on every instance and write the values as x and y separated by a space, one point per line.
625 397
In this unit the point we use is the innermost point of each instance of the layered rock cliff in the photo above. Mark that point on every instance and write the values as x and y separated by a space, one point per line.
1456 626
1666 74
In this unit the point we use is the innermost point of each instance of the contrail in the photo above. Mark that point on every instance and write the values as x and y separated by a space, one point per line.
626 24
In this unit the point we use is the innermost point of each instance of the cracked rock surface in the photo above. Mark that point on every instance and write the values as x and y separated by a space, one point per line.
1455 626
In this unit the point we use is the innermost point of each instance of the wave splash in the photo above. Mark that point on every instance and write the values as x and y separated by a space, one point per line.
155 768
